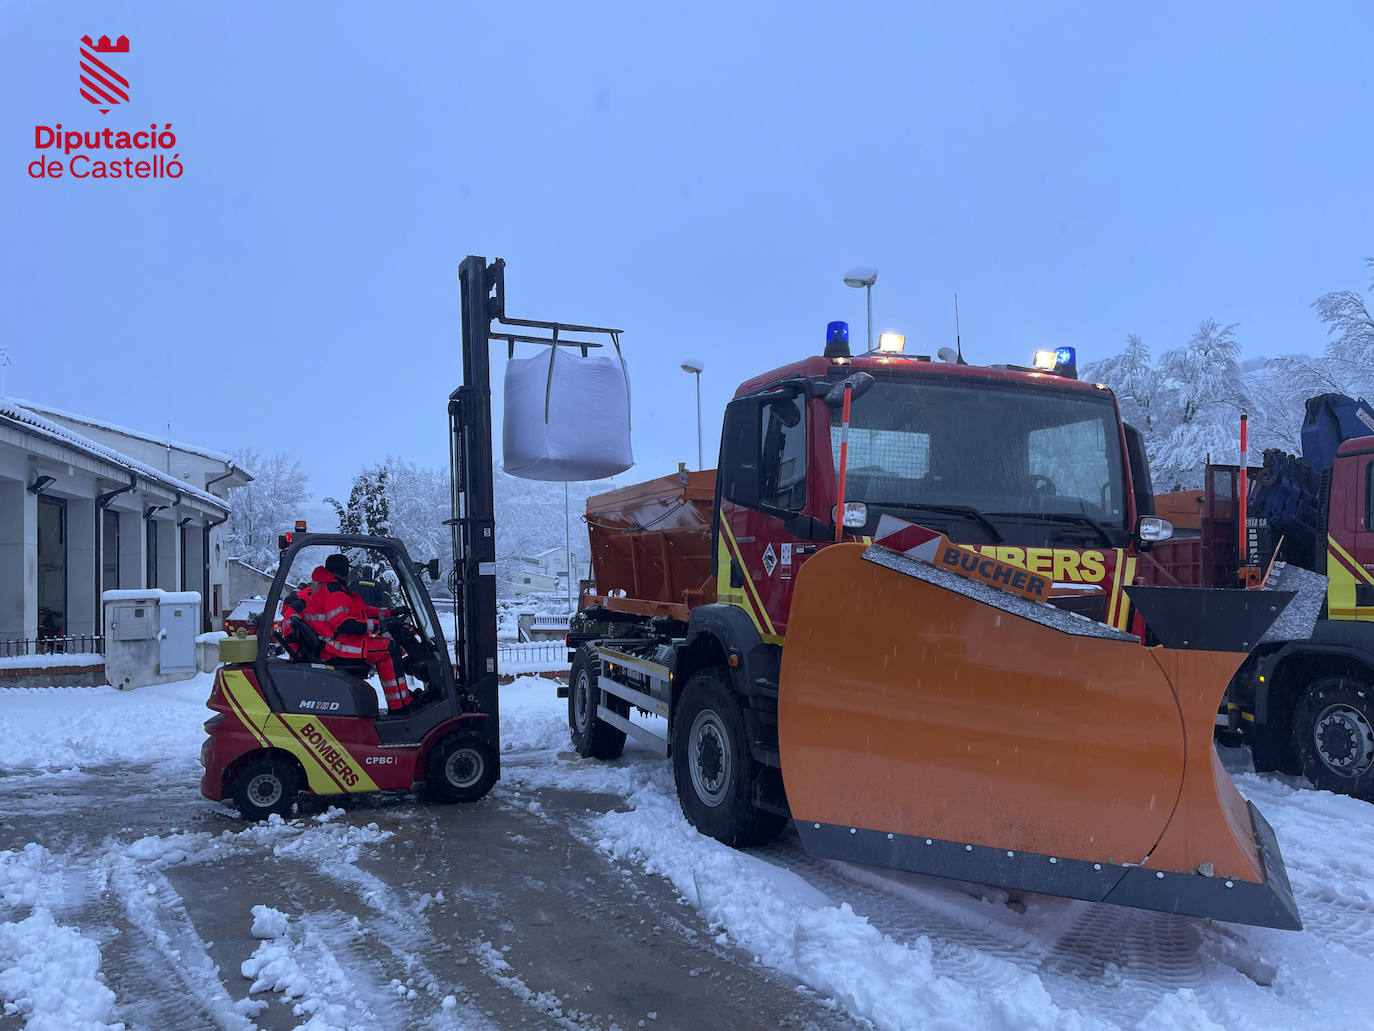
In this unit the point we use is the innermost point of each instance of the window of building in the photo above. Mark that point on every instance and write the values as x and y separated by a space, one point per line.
109 550
52 567
152 553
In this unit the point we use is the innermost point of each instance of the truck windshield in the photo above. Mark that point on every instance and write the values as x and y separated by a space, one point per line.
1000 448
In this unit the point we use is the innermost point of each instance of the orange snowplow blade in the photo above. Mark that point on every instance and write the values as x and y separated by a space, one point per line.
935 724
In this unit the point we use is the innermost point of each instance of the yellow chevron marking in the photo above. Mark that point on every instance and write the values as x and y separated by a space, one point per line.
1127 578
1358 569
329 767
759 613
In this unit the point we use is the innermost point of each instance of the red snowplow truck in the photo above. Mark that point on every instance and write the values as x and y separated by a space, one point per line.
902 715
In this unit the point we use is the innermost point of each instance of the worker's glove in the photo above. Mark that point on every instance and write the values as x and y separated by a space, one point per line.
399 612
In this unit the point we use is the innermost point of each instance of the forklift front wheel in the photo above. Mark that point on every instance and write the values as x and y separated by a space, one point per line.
263 787
462 768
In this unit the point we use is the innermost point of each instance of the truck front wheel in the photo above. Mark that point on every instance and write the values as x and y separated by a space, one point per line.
712 765
592 737
1333 734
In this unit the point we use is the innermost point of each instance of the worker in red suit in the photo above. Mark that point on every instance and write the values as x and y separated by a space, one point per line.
293 605
347 628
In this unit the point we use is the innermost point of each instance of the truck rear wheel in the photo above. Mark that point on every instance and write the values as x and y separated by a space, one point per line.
1333 734
593 737
712 766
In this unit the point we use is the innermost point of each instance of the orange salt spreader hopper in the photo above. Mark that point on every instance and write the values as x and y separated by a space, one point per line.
937 724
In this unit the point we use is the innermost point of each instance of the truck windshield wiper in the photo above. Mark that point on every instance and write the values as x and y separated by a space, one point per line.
1081 518
967 511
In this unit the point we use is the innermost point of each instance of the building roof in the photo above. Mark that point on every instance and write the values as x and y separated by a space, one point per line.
28 421
194 449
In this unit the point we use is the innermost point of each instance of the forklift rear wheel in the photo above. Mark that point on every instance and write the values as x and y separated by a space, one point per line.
264 787
461 768
592 737
1333 734
712 766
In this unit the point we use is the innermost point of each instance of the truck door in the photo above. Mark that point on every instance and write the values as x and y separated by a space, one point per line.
1350 533
764 486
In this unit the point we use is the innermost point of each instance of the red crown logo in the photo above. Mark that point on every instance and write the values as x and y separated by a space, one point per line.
100 84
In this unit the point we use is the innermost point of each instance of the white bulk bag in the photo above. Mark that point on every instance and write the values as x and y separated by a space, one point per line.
566 417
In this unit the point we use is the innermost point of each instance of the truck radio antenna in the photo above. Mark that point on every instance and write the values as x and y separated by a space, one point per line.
958 344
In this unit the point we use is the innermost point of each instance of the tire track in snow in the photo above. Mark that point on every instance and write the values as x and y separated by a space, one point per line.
1078 949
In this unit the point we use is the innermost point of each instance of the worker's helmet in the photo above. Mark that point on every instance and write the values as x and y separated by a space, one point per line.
337 565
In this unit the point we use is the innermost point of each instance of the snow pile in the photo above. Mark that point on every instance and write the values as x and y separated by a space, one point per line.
268 923
65 727
51 975
533 717
61 660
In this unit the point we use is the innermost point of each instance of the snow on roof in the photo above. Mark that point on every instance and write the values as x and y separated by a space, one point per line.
217 456
30 422
252 569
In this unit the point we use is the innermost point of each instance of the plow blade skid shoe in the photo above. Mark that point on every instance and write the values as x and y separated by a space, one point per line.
936 724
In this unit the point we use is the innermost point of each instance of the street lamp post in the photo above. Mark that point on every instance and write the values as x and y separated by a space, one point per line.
694 366
864 277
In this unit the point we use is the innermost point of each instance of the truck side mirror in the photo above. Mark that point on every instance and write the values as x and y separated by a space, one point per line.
739 453
432 568
1151 529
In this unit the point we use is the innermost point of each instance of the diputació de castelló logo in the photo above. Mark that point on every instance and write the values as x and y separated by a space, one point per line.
83 150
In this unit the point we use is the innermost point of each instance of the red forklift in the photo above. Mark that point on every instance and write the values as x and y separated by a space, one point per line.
287 720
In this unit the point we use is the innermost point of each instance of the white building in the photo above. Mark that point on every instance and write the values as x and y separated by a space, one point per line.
87 506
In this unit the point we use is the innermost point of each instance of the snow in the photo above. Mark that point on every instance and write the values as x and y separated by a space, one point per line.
268 923
51 975
890 949
153 594
56 728
55 661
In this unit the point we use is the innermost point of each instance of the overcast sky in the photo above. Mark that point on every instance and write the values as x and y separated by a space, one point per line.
702 180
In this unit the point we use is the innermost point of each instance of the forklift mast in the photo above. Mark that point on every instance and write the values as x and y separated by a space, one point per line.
482 288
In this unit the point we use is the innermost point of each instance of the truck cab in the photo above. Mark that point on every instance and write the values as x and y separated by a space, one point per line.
1031 467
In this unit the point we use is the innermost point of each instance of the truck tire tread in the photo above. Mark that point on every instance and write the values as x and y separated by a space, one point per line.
708 707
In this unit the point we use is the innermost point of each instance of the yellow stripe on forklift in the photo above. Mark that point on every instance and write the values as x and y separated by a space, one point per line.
245 701
329 768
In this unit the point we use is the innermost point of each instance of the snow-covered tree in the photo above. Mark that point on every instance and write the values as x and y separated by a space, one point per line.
1136 382
1207 393
368 509
266 507
1350 351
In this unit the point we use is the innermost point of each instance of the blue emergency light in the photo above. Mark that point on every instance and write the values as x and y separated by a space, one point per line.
1066 356
837 340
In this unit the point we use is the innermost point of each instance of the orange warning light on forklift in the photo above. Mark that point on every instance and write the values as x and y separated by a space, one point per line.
300 526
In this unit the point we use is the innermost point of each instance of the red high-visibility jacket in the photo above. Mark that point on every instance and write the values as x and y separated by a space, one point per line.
339 616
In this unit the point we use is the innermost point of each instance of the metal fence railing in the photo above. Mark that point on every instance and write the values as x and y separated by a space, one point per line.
541 655
81 644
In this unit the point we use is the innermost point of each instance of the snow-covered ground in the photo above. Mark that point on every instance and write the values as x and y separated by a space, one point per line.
892 950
